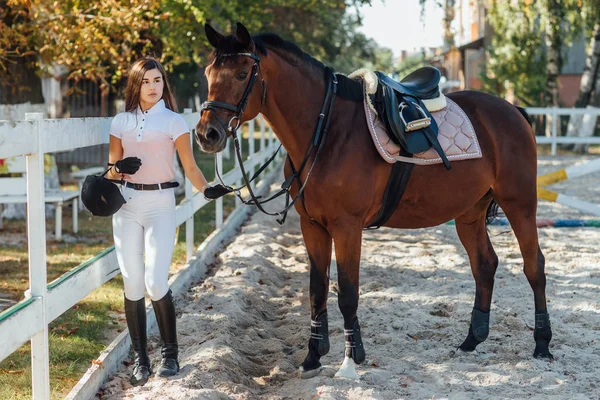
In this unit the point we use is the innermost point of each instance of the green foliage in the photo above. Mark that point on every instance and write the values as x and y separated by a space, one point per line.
516 57
582 15
99 39
353 50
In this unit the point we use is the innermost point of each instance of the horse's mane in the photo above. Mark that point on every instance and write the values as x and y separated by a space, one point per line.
292 54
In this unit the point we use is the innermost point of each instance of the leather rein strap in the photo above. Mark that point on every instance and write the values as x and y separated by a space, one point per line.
318 140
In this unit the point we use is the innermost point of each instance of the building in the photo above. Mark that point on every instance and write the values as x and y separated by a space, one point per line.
463 62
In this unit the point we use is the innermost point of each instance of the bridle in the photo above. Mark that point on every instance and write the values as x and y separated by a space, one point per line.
317 141
238 109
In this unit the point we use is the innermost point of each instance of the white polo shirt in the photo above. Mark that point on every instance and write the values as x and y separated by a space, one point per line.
150 136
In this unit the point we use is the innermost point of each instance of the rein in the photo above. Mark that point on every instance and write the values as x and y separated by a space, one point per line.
317 141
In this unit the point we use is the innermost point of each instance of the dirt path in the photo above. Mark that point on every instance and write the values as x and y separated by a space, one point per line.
243 331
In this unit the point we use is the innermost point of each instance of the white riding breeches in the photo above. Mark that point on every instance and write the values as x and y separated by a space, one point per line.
145 226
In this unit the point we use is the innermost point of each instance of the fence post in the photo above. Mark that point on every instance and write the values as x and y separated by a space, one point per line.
554 130
189 223
36 236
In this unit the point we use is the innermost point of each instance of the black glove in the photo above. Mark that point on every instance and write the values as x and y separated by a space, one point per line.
129 165
214 192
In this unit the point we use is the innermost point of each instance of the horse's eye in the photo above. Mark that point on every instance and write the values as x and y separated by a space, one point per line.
241 76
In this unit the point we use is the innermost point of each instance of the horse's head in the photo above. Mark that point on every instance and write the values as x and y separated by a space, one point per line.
235 87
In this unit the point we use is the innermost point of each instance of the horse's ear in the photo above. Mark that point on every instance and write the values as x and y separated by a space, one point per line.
212 35
242 35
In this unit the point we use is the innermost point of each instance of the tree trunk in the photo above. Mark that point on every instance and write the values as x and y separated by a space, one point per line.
588 123
554 45
449 11
553 38
589 81
591 70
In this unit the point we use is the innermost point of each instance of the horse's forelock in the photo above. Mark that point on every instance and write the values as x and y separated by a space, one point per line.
227 45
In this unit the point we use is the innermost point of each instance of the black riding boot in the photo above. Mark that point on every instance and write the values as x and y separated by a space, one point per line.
135 314
165 316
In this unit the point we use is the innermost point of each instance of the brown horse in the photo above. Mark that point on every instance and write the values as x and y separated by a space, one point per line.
265 74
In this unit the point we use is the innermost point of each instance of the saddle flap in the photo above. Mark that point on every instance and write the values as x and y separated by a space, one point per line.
416 143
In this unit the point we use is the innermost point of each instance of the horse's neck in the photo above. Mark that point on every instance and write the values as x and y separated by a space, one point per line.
294 100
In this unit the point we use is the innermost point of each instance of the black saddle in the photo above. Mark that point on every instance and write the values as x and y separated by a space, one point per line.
422 83
401 106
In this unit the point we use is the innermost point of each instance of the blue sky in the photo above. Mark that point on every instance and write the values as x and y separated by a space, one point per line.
396 24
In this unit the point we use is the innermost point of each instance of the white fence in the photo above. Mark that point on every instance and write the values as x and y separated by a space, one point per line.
29 319
555 138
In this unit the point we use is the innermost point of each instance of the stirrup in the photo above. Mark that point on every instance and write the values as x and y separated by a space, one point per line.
417 123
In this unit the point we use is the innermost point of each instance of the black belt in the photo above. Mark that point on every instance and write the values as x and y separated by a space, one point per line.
151 186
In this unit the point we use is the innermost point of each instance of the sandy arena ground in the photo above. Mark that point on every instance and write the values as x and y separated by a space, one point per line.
244 329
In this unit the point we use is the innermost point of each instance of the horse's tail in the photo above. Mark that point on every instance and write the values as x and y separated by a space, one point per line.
524 113
492 212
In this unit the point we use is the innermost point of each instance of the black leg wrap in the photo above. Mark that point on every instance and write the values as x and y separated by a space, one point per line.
542 335
318 344
319 334
354 344
478 330
480 323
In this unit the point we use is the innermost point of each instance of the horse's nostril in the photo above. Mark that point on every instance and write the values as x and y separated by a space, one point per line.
212 135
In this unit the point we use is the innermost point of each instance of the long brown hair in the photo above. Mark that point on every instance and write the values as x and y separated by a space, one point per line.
134 83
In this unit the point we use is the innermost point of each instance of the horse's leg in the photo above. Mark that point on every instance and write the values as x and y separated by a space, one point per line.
473 235
318 246
519 203
347 251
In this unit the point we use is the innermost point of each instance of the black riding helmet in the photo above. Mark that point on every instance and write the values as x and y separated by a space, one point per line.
101 196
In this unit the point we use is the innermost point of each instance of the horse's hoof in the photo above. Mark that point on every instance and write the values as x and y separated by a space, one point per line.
461 352
347 370
470 343
543 355
467 348
541 350
311 373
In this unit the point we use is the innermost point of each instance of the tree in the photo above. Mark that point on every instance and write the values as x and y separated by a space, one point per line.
99 39
514 59
553 15
590 80
18 80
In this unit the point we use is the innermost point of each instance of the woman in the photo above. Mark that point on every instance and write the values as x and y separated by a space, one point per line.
143 140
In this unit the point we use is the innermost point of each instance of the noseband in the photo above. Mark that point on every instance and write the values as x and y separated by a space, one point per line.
238 109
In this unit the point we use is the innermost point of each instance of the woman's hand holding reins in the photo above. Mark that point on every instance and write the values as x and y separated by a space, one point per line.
214 192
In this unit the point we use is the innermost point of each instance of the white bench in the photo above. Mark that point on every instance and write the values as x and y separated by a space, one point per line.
14 190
